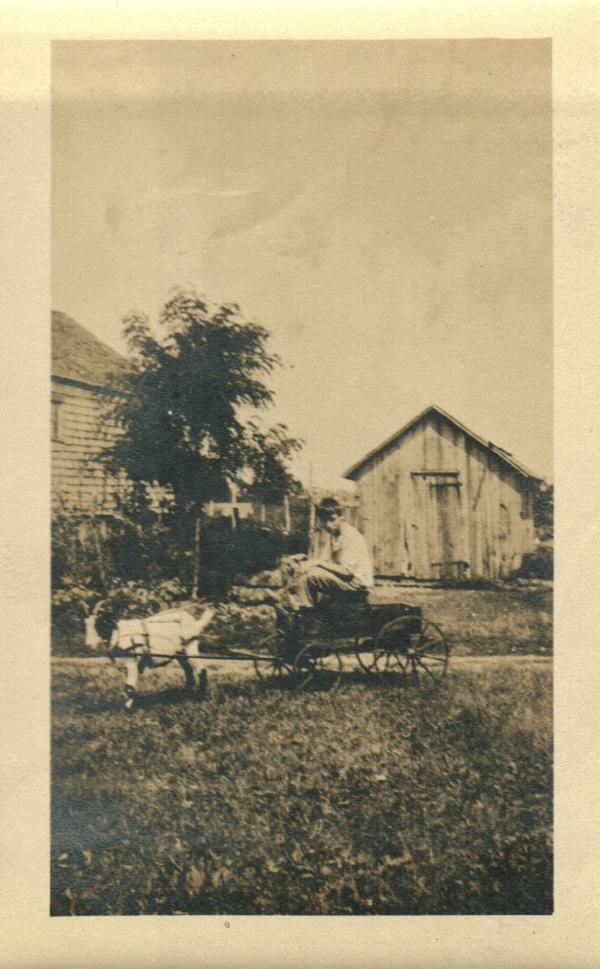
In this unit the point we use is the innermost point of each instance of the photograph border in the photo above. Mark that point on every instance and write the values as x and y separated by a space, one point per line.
568 938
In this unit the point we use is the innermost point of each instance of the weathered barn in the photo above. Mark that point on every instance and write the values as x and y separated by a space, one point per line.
438 502
81 376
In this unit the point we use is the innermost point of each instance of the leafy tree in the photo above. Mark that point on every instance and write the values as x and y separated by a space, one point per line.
543 510
180 415
189 411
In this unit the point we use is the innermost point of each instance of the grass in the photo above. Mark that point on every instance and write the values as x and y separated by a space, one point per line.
487 621
372 799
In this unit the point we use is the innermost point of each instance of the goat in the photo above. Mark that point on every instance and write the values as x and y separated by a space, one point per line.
173 634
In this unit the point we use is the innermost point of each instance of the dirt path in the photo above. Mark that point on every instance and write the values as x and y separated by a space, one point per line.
244 668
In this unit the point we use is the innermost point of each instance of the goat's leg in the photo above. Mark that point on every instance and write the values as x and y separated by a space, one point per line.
193 655
203 683
131 682
188 669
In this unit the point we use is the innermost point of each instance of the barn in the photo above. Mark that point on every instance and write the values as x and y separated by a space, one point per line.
82 368
436 501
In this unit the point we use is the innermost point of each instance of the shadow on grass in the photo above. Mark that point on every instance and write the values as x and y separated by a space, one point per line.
328 682
81 693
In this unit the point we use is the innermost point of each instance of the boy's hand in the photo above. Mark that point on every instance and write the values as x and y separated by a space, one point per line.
340 570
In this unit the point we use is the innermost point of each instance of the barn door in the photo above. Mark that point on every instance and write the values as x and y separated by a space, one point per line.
442 525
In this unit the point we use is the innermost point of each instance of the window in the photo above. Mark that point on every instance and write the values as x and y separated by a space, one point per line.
439 479
55 418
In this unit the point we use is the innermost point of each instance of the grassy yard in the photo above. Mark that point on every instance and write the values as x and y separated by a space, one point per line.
486 621
369 800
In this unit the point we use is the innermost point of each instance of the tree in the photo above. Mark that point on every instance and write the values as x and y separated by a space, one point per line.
543 510
189 409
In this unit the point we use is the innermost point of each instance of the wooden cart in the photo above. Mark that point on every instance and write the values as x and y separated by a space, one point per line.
391 638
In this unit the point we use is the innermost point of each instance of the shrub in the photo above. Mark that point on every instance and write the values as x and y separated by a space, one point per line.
131 599
142 562
538 564
241 625
151 548
247 549
79 555
147 554
72 603
543 511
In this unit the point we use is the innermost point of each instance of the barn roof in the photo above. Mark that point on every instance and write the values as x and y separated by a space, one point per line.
78 355
502 455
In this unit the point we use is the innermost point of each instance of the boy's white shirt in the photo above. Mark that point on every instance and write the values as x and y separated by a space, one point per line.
349 549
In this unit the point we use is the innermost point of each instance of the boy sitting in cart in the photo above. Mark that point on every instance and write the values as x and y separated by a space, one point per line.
341 569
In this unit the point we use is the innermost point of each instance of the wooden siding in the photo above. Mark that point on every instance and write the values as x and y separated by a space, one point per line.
422 523
77 481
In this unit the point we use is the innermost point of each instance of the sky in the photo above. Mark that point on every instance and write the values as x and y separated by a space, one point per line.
384 209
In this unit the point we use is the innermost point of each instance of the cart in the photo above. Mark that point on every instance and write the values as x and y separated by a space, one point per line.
385 639
391 638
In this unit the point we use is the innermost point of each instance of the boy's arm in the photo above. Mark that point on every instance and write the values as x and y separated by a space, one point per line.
340 570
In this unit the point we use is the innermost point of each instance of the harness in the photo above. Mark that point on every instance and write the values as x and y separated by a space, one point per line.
140 646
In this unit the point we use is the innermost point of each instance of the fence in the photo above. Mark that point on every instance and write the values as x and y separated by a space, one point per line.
95 548
294 515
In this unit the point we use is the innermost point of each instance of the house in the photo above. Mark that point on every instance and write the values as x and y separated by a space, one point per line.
82 368
437 502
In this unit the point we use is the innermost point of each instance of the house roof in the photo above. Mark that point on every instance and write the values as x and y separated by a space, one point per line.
502 455
78 355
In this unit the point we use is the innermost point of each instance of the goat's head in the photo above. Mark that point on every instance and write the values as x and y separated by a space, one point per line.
99 626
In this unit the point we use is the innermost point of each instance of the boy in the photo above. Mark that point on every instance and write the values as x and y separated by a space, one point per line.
342 565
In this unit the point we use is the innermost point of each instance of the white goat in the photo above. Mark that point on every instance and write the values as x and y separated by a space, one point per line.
173 634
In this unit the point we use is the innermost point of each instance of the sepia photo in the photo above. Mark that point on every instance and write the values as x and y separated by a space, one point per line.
302 477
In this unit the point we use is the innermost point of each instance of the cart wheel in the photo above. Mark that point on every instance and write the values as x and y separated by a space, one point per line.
312 663
412 646
275 664
365 656
430 654
392 644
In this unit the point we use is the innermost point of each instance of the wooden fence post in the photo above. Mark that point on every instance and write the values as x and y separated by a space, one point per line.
311 528
196 570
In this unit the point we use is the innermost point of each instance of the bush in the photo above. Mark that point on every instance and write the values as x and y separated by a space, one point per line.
538 564
130 599
156 548
139 542
79 556
72 603
142 562
543 511
247 549
147 554
238 625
